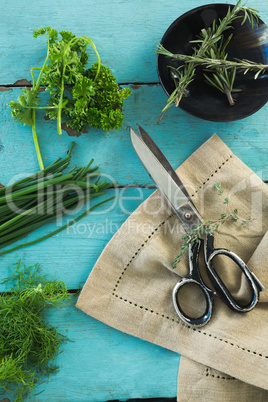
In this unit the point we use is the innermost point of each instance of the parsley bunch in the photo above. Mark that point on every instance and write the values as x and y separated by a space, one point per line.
95 102
84 96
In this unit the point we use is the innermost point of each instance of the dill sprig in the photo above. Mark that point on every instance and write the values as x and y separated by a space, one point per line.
29 345
206 45
209 226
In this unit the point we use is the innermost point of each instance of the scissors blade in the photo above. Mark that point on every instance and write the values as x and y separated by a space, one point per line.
163 160
162 174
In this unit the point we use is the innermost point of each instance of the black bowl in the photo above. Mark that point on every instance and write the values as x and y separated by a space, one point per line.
203 100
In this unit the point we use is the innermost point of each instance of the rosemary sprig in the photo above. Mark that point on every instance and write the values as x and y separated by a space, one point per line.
242 65
221 79
209 226
185 74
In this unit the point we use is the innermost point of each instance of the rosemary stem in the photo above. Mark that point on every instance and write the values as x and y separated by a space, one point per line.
228 94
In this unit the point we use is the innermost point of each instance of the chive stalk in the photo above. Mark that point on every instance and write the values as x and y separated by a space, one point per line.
44 196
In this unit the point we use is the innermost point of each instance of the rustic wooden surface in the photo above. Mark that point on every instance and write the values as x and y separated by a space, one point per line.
102 363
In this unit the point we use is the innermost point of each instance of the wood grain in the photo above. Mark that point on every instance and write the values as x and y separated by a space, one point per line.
178 135
125 32
102 363
70 255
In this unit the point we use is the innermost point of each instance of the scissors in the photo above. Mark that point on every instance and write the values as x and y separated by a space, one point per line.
169 183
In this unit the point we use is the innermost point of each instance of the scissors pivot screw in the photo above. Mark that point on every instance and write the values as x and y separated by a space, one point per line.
188 216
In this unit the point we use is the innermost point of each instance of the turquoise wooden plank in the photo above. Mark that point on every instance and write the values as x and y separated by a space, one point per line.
125 32
179 134
71 254
102 364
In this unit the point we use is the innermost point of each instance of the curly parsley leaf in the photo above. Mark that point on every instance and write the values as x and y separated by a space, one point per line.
79 95
96 103
22 108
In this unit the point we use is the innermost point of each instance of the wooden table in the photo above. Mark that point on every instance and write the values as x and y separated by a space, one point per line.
102 363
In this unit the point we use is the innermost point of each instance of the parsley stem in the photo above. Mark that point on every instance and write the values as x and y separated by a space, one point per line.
40 107
36 86
70 44
38 82
36 143
92 44
60 101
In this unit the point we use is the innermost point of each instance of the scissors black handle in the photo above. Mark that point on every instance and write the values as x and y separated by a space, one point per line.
194 277
254 284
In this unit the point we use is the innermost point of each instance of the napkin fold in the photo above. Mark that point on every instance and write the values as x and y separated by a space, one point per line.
130 287
197 382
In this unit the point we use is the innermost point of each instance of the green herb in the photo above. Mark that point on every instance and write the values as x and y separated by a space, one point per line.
207 44
29 345
221 79
209 226
46 196
85 96
95 103
242 65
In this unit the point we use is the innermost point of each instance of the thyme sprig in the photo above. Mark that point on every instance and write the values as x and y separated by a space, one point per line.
184 75
209 226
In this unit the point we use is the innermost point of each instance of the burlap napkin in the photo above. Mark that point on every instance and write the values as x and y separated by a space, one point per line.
130 287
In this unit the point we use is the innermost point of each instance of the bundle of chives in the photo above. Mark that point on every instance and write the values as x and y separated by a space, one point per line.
45 196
